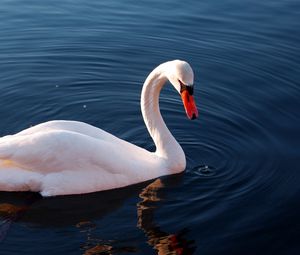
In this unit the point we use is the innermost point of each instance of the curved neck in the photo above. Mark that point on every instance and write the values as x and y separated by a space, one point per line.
166 145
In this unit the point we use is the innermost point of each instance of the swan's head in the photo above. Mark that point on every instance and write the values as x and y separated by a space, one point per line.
181 76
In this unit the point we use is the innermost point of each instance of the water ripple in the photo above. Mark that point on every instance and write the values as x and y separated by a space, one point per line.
88 61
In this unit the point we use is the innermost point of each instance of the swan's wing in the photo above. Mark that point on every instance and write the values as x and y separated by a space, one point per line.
72 126
57 162
56 150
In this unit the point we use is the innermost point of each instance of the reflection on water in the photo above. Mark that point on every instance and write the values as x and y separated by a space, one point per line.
87 210
165 243
94 245
10 213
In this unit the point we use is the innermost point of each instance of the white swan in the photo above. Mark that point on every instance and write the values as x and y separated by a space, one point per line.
70 157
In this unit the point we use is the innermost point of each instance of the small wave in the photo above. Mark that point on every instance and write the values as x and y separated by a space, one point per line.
204 170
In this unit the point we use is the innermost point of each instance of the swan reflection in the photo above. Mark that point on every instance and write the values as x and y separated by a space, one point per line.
164 243
84 213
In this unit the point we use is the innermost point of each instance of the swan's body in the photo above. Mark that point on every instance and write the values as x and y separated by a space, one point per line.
70 157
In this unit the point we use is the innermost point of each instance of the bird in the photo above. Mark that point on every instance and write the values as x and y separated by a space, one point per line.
62 157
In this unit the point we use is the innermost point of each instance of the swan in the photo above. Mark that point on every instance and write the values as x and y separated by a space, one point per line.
69 157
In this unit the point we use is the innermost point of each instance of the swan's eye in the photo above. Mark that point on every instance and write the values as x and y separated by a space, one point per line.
189 88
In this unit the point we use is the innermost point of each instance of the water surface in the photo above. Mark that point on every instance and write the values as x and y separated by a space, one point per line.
87 60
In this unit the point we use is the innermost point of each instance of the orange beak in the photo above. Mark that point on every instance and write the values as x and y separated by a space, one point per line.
189 105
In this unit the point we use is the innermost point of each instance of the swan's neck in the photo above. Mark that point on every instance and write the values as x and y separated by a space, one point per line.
166 145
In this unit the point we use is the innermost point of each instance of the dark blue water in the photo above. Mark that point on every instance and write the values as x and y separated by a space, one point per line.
86 61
